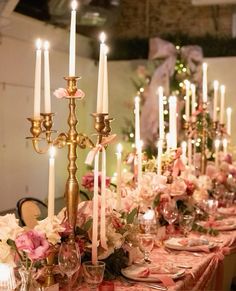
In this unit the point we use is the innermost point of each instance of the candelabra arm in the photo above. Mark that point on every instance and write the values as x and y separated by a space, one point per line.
83 141
60 141
39 150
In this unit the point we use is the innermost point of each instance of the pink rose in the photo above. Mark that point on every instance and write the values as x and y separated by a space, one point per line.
33 243
221 177
178 187
88 181
228 158
232 170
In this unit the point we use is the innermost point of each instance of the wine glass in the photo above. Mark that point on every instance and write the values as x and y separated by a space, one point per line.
146 243
186 222
69 259
93 274
170 212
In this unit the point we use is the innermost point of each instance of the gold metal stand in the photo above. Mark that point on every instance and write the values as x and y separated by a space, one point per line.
41 129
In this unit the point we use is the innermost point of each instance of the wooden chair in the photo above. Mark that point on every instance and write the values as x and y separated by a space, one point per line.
30 210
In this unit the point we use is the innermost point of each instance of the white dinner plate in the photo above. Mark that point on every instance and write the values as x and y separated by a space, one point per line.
151 278
174 244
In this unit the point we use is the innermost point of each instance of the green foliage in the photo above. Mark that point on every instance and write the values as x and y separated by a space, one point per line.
130 217
114 263
83 231
204 230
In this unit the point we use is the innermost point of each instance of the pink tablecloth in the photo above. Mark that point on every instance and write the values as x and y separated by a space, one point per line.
207 268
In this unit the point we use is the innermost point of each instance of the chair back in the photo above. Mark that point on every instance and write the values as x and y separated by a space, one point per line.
30 210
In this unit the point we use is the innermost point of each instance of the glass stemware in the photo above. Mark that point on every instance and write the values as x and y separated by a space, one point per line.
186 223
146 243
93 274
69 259
170 212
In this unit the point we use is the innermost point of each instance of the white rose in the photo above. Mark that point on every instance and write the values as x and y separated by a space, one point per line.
51 227
9 228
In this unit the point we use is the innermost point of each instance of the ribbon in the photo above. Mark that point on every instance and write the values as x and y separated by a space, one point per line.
92 153
95 211
166 51
103 202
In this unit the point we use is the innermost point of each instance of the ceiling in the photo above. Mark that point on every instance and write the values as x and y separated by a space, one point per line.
93 14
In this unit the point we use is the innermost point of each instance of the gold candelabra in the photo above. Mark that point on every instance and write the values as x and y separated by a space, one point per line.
41 129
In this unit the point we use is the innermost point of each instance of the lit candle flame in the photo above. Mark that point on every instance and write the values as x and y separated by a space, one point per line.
229 110
102 37
74 5
216 85
222 89
204 66
46 45
119 148
38 44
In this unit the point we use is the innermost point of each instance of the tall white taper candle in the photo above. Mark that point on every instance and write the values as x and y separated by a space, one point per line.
137 120
222 103
193 92
187 100
72 39
105 84
101 73
173 121
118 170
47 94
215 104
37 80
228 122
161 113
51 183
204 82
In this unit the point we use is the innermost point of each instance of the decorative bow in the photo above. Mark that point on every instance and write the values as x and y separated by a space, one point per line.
105 141
161 49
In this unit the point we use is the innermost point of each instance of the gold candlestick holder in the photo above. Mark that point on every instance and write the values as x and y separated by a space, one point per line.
41 130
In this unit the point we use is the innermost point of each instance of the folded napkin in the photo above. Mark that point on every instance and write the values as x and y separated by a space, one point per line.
152 272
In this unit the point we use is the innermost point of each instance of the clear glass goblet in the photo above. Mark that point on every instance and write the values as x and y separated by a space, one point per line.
170 212
146 243
186 223
93 274
69 259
